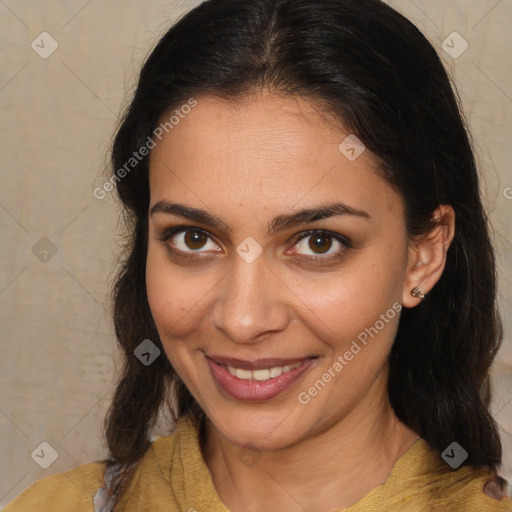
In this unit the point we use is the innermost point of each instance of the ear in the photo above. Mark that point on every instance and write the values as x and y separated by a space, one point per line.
427 255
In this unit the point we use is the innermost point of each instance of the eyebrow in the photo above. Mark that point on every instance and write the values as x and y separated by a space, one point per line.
279 223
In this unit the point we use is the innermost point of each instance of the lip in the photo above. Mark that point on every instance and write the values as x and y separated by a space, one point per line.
252 389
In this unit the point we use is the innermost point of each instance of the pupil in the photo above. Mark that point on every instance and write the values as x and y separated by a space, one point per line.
195 239
320 243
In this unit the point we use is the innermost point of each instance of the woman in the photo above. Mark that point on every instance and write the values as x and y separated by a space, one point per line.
309 290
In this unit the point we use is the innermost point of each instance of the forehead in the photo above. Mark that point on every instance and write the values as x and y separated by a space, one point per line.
261 120
267 151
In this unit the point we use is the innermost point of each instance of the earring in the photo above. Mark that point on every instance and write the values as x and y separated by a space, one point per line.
416 292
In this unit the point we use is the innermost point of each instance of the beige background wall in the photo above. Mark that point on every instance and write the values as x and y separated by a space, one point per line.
58 242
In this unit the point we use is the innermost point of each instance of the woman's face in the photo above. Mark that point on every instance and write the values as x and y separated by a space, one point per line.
277 317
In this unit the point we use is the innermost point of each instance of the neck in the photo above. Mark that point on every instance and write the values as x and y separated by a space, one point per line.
328 470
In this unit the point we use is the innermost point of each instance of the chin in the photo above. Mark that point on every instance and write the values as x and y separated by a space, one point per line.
265 428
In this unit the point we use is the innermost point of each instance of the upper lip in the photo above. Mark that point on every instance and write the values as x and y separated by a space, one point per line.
245 364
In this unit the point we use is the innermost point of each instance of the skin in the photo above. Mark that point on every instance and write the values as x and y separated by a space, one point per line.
273 155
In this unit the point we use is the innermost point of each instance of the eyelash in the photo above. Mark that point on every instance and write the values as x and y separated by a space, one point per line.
168 233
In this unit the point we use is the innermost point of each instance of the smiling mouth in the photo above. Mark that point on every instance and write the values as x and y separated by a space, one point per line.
257 380
274 366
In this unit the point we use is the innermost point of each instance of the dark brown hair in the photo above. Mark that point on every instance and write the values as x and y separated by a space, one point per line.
384 81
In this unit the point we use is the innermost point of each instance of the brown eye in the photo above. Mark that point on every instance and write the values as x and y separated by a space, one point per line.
188 240
195 239
320 244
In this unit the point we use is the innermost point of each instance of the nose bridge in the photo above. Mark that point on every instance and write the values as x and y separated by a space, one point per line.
251 302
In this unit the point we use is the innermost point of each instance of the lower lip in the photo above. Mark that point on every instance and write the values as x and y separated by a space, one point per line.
252 389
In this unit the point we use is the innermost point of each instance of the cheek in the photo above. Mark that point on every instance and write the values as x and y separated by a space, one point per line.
354 313
340 318
177 297
346 302
177 303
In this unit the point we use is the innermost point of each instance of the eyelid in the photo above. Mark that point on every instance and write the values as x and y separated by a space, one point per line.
337 236
167 233
344 241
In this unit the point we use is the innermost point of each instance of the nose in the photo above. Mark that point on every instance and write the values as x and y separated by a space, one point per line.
251 303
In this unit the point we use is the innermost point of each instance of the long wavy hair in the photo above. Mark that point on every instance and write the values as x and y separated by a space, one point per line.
383 80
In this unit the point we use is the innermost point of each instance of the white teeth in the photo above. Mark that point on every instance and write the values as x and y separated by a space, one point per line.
243 374
275 372
262 374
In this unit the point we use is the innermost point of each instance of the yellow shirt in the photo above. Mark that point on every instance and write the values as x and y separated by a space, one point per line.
173 477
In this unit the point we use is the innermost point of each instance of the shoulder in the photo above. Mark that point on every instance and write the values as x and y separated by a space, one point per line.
75 488
466 489
477 490
421 481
